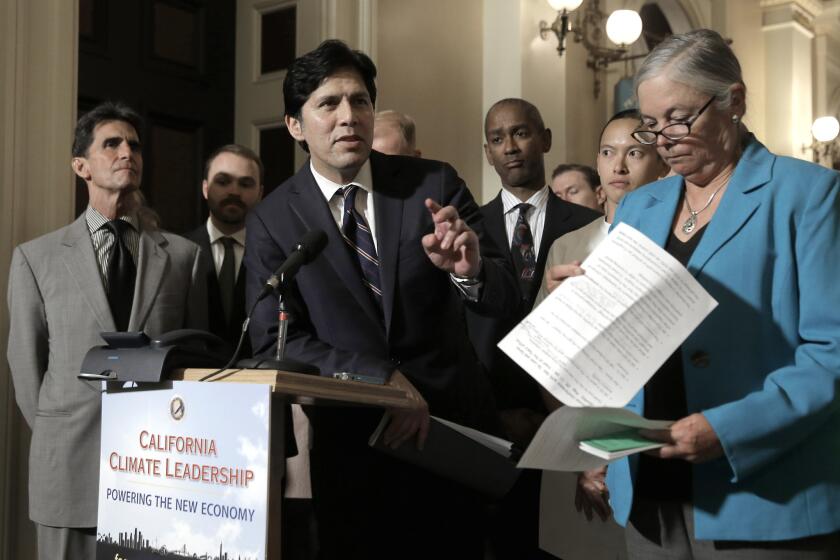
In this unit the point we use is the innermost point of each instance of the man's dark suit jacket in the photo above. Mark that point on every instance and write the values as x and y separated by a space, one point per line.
227 330
368 503
335 324
512 386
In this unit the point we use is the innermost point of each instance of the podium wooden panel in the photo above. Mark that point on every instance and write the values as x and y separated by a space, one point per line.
289 387
306 389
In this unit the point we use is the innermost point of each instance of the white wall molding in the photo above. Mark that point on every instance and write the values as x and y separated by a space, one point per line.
367 31
789 83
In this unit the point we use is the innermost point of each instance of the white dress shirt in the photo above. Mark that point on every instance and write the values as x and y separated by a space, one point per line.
535 215
364 196
218 248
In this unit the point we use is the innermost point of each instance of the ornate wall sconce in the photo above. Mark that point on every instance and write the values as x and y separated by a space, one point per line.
623 27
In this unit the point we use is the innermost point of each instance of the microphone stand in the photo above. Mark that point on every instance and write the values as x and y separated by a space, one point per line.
279 362
282 328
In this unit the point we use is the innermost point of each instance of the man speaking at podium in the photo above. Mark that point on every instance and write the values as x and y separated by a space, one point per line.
110 270
384 301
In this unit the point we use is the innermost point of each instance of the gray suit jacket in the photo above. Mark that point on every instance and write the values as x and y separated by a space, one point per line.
58 307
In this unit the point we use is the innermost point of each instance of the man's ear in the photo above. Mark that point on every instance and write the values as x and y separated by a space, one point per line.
80 168
600 195
488 155
295 128
205 186
261 191
546 140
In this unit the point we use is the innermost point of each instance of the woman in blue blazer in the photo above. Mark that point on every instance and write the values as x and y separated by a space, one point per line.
751 465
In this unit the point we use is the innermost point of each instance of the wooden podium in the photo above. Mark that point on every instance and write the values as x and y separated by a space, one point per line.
288 388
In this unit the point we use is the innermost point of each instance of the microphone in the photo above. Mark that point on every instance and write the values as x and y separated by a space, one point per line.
309 247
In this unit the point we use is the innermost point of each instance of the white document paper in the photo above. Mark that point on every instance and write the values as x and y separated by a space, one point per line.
555 445
598 338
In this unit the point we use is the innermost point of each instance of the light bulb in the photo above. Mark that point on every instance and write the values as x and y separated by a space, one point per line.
624 27
825 129
567 5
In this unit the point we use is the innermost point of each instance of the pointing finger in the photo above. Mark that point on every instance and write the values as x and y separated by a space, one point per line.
432 205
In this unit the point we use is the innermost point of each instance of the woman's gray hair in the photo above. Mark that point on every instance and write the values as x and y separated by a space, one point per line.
700 59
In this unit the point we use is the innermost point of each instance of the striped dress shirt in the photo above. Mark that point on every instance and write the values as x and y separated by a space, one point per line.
103 239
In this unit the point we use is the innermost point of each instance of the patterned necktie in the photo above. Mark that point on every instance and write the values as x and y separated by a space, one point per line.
522 249
121 275
227 275
357 235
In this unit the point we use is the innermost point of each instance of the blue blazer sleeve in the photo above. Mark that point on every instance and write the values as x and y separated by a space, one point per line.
800 397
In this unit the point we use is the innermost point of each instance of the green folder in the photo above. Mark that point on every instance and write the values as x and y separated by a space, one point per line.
619 444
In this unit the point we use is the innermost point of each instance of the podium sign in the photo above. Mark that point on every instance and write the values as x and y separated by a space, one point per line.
184 472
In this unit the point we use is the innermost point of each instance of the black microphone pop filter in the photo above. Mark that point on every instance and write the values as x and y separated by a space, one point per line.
311 244
304 252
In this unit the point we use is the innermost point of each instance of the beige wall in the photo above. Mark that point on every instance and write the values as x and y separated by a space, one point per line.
37 112
562 88
743 26
429 58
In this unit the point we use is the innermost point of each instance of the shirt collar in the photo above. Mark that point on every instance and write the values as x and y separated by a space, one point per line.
538 200
95 220
216 234
363 178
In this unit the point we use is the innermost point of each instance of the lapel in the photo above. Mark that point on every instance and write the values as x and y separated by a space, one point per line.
203 241
238 314
388 212
656 218
494 222
215 312
152 262
737 205
310 207
556 214
80 261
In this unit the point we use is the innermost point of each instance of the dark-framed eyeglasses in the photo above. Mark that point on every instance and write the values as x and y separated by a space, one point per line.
676 131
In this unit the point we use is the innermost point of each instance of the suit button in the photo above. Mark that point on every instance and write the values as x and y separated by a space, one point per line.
700 359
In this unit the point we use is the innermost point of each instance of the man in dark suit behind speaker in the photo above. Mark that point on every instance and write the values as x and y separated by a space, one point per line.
233 184
525 218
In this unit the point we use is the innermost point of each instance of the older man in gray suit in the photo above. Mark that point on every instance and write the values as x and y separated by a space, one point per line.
110 270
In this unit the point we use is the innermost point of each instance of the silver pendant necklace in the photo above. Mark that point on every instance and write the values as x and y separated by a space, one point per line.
689 225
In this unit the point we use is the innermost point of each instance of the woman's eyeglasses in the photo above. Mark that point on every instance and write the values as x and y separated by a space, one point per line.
676 131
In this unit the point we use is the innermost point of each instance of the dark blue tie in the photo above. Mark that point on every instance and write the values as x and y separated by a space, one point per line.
356 233
227 275
522 250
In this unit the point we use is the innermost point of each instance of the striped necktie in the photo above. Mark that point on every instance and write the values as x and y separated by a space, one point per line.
356 233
